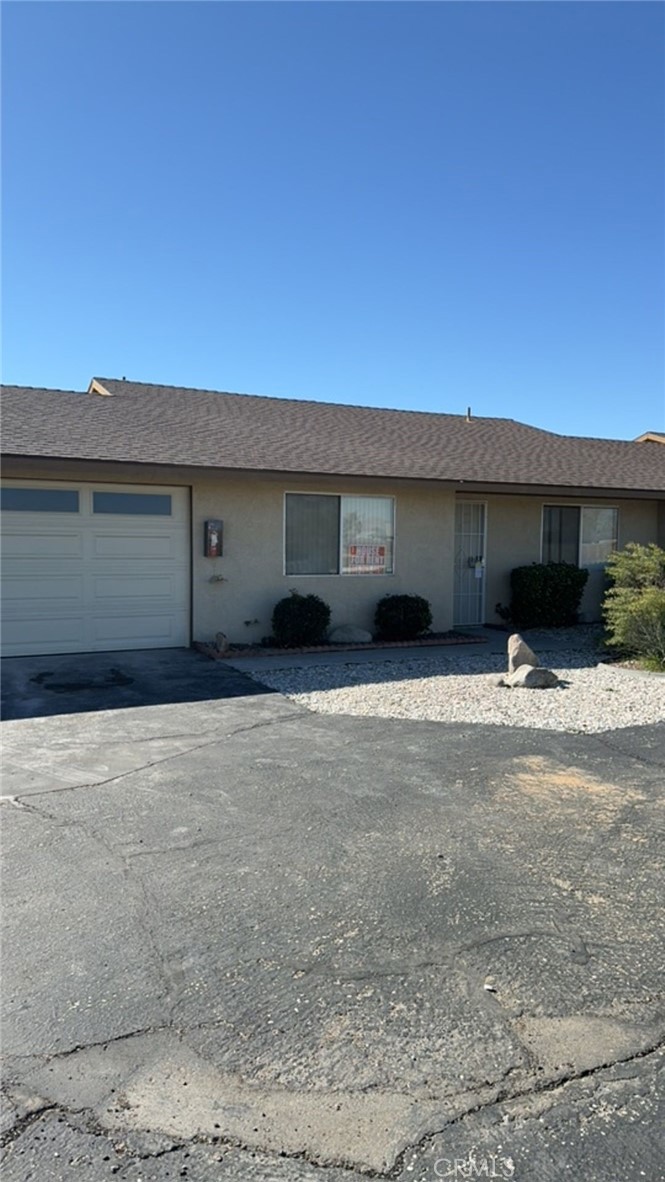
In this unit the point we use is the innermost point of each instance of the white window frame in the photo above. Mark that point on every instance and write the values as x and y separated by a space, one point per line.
339 574
580 505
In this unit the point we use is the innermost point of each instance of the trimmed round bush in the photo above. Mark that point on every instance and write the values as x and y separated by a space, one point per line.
402 617
300 620
546 595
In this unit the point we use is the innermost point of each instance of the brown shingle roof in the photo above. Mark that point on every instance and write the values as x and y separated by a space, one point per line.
143 423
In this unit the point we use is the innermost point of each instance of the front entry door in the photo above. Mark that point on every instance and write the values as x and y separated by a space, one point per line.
469 593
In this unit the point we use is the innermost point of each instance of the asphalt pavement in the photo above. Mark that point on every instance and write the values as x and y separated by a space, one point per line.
244 941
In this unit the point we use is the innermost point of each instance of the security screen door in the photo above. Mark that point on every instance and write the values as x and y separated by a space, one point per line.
469 592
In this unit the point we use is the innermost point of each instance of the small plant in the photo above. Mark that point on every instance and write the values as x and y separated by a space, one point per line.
402 617
634 606
300 620
504 613
544 595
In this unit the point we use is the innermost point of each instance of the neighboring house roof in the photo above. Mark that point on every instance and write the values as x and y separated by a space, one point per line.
166 425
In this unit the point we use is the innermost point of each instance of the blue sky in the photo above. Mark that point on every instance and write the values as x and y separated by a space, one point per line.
415 205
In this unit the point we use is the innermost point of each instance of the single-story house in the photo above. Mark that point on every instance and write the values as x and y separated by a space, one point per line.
138 516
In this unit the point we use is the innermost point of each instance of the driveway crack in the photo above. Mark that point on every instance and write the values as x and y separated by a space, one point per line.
16 799
508 1095
115 779
148 903
24 1122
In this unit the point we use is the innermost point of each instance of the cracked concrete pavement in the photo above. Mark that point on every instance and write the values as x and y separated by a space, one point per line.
245 941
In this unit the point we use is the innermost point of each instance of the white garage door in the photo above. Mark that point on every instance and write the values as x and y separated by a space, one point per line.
93 567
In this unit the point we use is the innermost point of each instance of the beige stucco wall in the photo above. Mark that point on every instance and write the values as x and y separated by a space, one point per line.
252 564
251 568
514 539
253 560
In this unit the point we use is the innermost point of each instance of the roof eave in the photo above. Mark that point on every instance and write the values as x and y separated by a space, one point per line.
471 487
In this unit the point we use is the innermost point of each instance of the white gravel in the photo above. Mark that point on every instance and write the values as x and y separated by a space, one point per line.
448 688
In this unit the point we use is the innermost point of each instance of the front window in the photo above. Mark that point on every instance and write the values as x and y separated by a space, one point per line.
584 535
598 535
332 535
561 533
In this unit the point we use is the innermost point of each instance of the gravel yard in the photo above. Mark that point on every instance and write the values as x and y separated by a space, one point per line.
450 687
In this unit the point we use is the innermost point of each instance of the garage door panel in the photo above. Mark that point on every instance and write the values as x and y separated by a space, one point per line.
56 635
18 592
41 546
143 546
138 587
137 630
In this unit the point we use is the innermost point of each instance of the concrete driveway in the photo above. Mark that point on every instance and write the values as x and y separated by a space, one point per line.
245 941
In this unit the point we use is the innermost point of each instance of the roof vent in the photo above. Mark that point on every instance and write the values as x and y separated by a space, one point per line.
468 414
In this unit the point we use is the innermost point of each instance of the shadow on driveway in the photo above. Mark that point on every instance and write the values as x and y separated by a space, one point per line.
77 683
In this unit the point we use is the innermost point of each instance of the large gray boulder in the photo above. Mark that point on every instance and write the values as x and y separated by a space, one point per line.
519 653
348 634
530 677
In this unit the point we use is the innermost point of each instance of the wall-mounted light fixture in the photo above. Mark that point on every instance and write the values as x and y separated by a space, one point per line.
212 538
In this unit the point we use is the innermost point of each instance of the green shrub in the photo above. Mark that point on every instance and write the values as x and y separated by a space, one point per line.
300 620
545 595
402 617
637 567
634 606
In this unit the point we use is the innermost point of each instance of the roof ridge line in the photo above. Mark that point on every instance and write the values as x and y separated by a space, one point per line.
324 402
45 389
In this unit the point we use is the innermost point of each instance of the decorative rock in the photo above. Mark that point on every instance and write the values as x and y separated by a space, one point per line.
221 642
519 653
347 634
530 677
